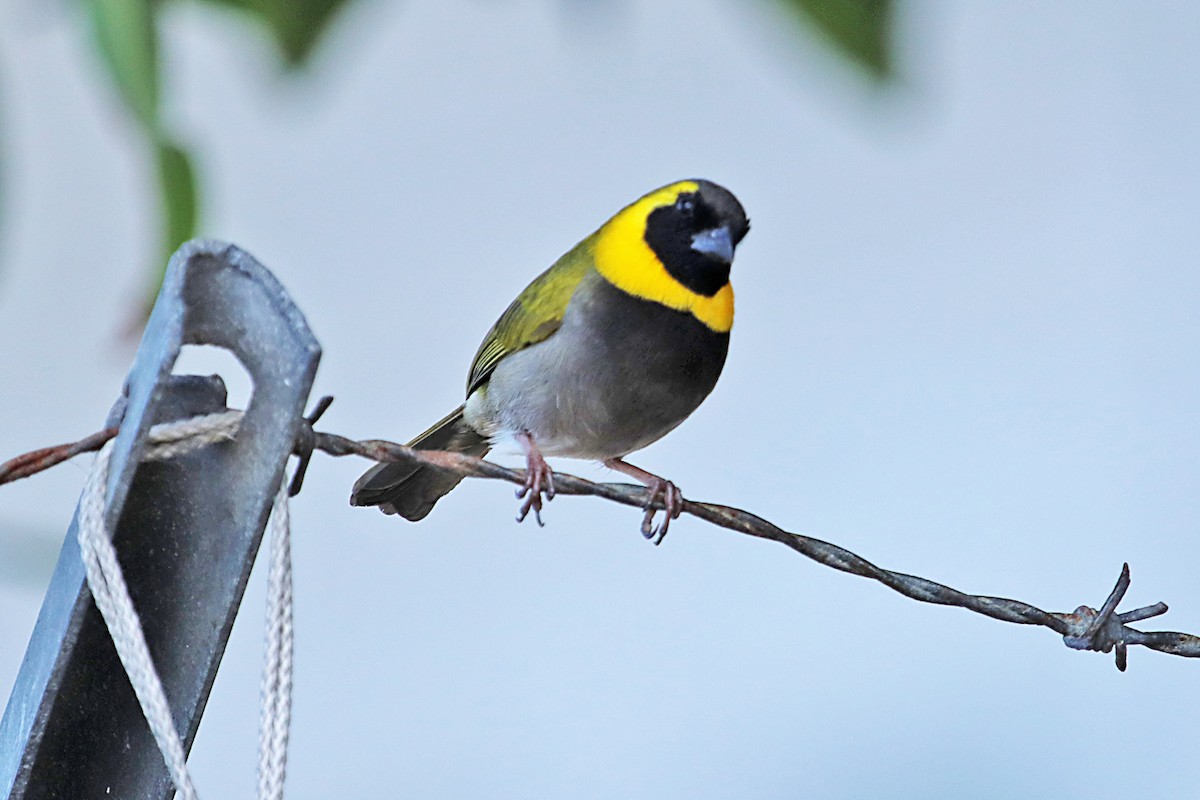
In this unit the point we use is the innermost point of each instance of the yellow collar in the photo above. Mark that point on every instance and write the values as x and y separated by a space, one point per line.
627 262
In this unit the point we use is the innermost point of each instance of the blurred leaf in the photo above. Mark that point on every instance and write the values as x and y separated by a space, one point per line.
296 25
177 181
177 188
127 36
861 29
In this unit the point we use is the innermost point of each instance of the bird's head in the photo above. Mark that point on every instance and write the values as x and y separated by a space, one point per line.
693 229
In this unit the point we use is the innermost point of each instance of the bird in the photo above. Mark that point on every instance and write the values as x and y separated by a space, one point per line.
605 352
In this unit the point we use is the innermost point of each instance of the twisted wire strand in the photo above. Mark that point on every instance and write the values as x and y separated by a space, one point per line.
1086 628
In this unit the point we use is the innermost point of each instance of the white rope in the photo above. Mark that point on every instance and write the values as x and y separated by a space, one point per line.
108 587
277 667
112 598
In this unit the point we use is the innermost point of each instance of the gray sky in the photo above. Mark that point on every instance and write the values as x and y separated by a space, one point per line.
965 348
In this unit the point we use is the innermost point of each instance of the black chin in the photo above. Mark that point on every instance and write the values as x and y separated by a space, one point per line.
700 272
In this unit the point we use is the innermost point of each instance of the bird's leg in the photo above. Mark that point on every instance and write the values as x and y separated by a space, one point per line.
659 487
539 480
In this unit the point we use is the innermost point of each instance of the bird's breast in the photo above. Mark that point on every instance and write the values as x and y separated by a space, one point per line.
617 375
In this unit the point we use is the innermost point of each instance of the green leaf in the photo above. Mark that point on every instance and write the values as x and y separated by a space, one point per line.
177 190
296 25
177 181
126 33
860 29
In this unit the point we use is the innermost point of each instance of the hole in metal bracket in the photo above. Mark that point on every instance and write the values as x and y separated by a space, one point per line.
205 359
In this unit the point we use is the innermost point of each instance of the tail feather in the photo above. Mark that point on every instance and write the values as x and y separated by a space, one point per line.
411 491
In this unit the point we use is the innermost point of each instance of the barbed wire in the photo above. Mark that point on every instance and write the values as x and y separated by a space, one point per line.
1102 630
35 461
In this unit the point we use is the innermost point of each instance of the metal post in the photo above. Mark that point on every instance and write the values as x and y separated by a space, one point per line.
186 531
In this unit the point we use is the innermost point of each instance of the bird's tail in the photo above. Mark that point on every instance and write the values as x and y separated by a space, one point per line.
409 490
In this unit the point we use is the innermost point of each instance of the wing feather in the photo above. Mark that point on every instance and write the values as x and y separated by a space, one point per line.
534 316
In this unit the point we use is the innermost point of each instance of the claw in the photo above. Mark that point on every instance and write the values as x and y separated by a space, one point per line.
539 482
672 501
658 488
534 503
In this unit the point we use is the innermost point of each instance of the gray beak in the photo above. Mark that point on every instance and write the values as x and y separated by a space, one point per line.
717 243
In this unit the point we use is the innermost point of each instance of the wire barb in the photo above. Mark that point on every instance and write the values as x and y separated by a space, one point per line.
1103 630
304 443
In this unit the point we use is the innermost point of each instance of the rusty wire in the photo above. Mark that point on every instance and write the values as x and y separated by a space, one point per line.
1102 630
35 461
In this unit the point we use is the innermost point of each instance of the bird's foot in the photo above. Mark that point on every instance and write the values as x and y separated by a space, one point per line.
658 489
539 482
673 504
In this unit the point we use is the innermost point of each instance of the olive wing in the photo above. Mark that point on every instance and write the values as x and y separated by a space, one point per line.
534 316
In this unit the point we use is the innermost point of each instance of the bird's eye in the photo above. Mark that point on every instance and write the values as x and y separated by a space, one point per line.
686 205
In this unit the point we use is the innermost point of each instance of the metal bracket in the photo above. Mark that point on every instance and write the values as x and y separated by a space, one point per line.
186 530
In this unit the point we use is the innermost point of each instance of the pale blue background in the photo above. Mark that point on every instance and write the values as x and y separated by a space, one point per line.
966 348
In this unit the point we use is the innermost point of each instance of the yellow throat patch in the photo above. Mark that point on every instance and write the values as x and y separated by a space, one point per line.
627 262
